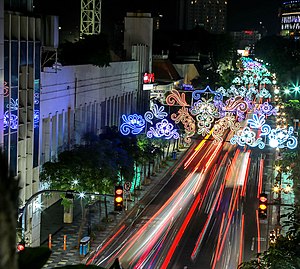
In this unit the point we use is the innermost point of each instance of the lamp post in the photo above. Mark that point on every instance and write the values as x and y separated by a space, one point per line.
69 193
278 189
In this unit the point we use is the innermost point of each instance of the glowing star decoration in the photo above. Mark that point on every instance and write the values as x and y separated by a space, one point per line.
197 93
157 112
222 124
134 124
282 138
266 109
205 112
247 137
163 129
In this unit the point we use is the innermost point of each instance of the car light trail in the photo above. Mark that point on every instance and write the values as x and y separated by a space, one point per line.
180 233
258 232
242 239
260 177
106 244
218 244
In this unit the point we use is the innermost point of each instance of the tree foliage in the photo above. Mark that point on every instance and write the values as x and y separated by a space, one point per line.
92 49
285 252
282 54
94 167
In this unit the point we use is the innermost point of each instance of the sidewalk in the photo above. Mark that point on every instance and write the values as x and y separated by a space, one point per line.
70 256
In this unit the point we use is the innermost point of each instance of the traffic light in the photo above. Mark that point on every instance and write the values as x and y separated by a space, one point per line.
118 201
262 207
20 246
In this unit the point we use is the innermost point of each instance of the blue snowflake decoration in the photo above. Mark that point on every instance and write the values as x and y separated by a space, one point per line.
259 123
132 124
163 129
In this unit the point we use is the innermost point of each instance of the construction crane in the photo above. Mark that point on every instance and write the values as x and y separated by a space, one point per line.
90 19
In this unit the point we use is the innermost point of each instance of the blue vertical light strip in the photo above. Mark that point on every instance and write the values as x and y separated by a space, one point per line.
6 98
13 106
36 125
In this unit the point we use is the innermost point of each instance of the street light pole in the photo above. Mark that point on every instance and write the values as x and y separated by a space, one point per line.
24 208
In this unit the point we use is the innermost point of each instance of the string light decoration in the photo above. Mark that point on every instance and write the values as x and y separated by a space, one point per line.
10 117
278 138
206 112
237 106
197 94
224 123
156 112
247 137
6 89
133 124
212 114
163 129
263 93
266 109
182 115
282 138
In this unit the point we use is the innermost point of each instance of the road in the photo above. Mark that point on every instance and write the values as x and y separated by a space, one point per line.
196 217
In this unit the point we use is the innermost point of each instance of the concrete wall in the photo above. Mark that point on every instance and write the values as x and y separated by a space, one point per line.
80 99
1 69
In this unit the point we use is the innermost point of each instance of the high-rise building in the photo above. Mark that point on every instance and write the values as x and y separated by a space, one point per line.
209 14
290 19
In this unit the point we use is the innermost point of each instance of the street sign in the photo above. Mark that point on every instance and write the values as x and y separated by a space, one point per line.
127 186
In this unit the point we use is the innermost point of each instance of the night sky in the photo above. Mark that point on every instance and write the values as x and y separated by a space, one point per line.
242 14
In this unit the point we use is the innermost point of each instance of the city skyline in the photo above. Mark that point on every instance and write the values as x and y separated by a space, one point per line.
240 14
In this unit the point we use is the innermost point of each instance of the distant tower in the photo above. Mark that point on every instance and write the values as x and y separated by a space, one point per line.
90 19
290 19
210 14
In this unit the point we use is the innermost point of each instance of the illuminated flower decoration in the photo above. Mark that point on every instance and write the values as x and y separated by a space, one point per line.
36 98
222 124
163 129
13 105
197 94
263 93
6 89
204 106
266 109
219 105
188 123
222 91
36 118
206 113
237 80
265 81
157 112
247 137
251 92
281 138
132 124
10 120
